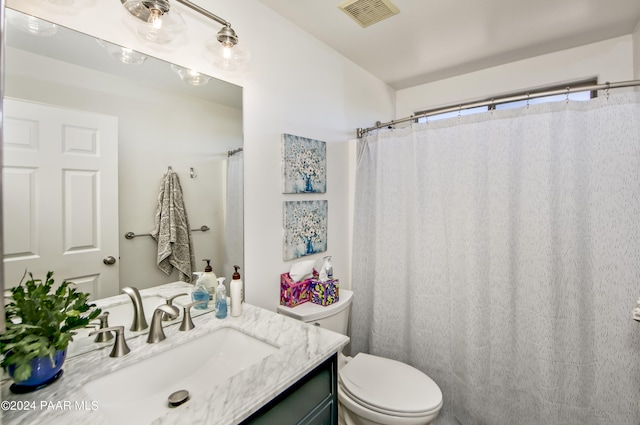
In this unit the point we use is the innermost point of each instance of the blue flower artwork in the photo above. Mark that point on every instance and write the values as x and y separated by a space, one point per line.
305 228
304 165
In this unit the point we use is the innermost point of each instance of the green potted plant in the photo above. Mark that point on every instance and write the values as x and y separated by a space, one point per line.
40 322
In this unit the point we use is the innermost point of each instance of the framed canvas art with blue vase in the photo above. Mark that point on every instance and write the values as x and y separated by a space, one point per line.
304 165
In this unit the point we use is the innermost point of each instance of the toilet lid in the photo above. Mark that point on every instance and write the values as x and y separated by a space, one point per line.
389 385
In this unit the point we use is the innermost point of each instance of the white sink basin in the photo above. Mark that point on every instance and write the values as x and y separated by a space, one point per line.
139 393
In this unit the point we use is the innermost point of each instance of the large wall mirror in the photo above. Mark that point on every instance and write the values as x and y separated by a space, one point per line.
87 142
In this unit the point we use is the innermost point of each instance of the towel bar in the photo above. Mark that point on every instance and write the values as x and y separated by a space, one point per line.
131 235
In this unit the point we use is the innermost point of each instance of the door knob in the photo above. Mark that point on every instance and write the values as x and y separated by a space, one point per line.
109 261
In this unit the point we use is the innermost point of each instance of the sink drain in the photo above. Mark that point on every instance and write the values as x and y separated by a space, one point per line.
178 398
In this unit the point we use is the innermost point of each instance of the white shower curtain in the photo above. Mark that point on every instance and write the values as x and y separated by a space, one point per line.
234 216
500 254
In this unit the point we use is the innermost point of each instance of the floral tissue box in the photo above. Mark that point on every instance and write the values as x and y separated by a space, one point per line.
324 293
293 293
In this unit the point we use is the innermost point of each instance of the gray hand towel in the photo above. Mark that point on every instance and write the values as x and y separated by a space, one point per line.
172 231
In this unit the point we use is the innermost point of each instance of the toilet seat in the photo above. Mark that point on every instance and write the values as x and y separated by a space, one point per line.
389 387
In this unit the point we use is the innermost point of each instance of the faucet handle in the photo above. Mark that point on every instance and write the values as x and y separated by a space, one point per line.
120 347
156 333
187 322
104 323
169 301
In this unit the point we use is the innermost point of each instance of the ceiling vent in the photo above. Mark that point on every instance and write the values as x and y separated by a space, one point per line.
368 12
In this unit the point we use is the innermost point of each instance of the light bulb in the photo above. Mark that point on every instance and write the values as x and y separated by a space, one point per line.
155 18
227 56
226 52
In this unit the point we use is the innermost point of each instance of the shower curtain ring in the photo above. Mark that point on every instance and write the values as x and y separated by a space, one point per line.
528 100
606 91
568 91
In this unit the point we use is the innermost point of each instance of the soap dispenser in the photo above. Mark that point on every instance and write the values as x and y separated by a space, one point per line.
326 271
200 293
235 287
209 280
221 299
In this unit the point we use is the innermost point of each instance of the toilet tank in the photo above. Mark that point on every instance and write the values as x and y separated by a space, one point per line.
334 317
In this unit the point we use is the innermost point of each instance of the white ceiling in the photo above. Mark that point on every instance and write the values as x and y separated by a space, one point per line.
434 39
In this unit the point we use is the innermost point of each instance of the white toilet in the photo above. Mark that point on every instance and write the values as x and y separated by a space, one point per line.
373 390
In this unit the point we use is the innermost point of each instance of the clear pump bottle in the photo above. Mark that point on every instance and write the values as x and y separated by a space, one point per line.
200 293
221 299
326 271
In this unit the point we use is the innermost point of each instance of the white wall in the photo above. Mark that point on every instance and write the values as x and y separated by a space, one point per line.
295 85
155 130
609 60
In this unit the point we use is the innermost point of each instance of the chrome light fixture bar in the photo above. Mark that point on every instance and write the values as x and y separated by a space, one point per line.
226 36
154 12
158 22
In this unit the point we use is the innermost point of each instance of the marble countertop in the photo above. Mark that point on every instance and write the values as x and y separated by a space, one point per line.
302 347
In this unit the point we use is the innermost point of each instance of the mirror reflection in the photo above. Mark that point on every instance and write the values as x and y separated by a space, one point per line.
90 129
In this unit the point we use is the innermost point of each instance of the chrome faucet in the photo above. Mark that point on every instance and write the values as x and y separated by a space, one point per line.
139 322
187 322
169 301
120 347
104 323
156 333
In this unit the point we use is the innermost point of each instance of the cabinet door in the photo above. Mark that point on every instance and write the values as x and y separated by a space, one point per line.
313 400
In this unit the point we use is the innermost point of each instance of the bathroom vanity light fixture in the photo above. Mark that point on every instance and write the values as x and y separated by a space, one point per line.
32 25
158 22
226 37
190 76
122 54
225 53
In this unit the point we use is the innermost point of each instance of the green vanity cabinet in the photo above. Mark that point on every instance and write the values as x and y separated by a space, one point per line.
313 400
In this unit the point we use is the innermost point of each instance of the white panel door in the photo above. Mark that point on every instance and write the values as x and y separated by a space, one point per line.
60 194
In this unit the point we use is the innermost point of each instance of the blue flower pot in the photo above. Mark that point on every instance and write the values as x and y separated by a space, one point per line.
41 369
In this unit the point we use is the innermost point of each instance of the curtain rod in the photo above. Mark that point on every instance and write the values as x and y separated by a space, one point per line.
360 132
233 152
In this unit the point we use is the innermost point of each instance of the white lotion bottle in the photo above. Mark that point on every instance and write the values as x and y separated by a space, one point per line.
209 278
235 287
